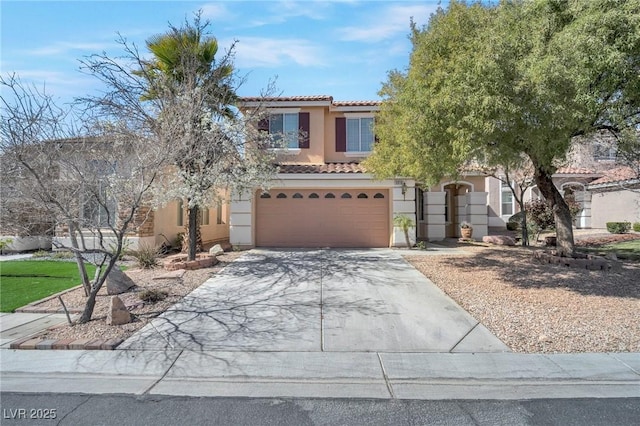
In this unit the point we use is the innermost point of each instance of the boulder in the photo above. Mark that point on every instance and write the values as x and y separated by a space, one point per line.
118 313
500 240
118 282
216 250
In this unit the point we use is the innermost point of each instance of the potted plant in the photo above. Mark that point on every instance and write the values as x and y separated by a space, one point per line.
466 230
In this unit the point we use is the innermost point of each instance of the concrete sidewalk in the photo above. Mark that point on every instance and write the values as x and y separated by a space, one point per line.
323 374
17 326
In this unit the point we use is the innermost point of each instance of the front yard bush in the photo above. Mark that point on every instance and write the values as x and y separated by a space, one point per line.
618 227
146 256
636 226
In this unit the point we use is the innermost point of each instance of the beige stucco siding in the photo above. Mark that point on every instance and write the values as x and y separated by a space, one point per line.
614 206
166 223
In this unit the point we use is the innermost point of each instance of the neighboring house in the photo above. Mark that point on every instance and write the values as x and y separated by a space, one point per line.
615 197
30 228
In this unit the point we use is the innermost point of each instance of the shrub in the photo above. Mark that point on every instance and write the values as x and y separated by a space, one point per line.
152 295
5 243
39 254
618 227
636 226
61 254
146 256
539 213
513 226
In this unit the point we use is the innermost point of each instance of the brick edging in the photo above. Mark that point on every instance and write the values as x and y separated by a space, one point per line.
41 343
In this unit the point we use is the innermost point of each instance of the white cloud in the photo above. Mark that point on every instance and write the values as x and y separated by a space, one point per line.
281 11
216 12
272 52
387 23
60 48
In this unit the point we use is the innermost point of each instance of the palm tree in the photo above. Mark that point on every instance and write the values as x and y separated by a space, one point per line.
184 59
405 223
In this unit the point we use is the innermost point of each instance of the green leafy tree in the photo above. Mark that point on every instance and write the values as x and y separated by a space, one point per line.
492 83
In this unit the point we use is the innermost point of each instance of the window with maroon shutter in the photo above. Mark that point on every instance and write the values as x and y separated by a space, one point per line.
304 126
263 125
341 134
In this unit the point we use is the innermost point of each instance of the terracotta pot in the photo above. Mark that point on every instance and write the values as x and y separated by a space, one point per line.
466 232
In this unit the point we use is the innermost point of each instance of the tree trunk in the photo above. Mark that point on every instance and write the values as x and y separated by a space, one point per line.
524 231
407 239
87 313
561 213
193 233
82 270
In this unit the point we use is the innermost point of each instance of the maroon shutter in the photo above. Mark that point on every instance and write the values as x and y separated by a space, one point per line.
341 134
263 125
303 127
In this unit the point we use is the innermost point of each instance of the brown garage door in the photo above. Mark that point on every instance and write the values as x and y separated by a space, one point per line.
326 218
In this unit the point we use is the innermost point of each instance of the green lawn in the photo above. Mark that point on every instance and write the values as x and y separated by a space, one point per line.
25 281
629 250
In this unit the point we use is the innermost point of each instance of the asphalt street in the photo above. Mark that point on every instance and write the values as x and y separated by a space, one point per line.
68 409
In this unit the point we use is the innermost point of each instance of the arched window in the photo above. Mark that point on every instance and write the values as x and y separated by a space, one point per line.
314 195
265 195
281 195
378 195
329 195
362 195
346 195
297 195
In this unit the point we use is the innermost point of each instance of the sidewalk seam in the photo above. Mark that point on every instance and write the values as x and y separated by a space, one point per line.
464 337
385 377
154 384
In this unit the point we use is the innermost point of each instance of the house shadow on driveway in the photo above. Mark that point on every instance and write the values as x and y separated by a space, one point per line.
316 300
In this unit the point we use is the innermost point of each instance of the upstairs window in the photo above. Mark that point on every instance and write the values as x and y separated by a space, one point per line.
290 130
359 134
284 128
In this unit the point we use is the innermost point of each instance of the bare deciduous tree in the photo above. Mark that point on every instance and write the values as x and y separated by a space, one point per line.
87 184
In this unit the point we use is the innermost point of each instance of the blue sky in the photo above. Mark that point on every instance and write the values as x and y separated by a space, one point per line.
338 48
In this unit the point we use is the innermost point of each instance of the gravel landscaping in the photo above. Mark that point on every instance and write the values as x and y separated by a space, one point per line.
143 312
536 307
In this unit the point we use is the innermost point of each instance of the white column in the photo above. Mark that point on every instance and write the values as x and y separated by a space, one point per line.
404 204
241 221
434 212
477 213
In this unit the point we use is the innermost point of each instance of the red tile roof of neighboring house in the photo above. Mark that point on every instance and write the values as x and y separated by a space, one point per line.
575 171
357 103
288 98
618 174
322 168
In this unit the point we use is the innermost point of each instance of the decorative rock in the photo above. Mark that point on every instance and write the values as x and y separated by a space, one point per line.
118 282
118 313
216 250
500 240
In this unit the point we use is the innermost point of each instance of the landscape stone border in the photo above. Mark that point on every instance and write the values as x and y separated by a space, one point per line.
39 343
203 260
32 307
590 262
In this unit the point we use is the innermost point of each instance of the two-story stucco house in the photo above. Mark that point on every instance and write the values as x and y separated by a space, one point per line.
321 196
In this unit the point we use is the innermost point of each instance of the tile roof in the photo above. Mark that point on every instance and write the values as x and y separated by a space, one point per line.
357 103
322 168
575 171
315 98
288 98
618 174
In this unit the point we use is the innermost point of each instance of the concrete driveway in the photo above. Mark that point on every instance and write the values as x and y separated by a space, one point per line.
317 300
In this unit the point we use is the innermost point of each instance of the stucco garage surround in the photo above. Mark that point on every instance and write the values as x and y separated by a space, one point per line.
302 220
